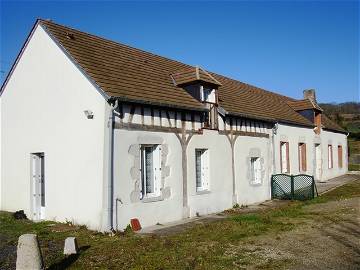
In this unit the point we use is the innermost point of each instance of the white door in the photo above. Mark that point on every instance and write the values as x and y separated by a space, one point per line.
38 186
318 162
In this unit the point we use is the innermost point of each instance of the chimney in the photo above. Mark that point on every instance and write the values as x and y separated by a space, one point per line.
310 94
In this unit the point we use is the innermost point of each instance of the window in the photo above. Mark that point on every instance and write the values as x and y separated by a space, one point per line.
330 156
202 169
255 170
208 94
150 170
302 157
284 157
340 156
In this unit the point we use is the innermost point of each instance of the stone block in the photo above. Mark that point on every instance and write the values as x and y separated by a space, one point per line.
70 246
28 253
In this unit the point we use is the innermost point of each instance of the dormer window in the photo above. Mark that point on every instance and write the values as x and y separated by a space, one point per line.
201 85
308 108
208 94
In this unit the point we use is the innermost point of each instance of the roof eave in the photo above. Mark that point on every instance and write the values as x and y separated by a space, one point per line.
13 66
160 104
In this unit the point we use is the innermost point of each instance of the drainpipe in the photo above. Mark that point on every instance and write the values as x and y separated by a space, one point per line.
274 132
111 165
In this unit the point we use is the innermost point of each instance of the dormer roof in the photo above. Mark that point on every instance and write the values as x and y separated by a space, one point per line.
191 75
304 104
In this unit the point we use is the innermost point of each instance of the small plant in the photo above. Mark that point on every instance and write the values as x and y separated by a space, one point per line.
236 205
83 227
128 229
69 222
244 206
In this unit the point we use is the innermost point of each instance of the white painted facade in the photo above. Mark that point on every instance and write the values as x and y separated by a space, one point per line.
42 111
295 135
46 115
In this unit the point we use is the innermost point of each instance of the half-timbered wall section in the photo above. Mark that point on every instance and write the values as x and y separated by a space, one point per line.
243 126
133 116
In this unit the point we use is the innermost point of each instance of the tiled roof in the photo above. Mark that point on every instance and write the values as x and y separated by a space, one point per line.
327 123
135 75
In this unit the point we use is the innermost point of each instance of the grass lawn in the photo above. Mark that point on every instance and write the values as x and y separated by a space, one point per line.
207 246
354 150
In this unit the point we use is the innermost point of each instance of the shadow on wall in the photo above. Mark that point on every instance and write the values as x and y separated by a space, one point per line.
68 260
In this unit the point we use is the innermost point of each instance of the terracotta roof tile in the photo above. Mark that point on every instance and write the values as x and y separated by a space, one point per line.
304 104
136 75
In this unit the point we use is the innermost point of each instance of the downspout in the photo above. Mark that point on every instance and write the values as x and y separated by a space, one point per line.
274 132
111 165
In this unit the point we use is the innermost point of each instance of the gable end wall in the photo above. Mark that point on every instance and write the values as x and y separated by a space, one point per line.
42 110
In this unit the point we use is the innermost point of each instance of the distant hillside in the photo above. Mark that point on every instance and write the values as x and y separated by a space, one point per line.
345 114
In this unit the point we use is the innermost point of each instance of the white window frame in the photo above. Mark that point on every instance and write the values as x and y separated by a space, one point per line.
255 165
330 157
210 97
202 175
285 159
155 170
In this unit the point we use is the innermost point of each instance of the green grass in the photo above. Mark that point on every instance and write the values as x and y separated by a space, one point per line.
205 246
354 167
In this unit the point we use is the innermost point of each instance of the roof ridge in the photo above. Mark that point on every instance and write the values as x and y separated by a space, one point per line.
163 57
112 41
207 73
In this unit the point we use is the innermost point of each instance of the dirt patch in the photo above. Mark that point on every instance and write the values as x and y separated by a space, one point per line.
331 244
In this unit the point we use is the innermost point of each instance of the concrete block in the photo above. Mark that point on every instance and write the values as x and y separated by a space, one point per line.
70 246
29 253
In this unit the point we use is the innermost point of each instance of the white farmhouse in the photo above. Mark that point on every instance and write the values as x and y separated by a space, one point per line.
97 133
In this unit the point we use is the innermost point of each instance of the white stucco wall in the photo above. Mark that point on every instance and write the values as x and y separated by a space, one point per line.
220 192
245 148
43 111
295 135
219 196
0 152
148 213
334 139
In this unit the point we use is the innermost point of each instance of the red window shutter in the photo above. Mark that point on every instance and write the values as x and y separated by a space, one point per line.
340 154
288 157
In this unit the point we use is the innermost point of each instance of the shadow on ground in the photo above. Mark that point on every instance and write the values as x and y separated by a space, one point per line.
68 260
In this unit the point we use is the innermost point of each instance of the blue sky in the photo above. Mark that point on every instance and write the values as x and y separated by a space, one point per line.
283 46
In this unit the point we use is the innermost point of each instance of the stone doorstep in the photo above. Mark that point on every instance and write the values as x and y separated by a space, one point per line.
327 186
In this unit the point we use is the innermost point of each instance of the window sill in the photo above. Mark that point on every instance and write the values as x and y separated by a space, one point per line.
255 184
202 192
152 199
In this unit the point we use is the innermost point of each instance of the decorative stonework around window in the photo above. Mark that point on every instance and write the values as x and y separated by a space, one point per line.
284 138
135 172
302 139
255 153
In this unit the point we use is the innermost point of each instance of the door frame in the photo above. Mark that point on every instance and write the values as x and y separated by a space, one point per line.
37 186
318 156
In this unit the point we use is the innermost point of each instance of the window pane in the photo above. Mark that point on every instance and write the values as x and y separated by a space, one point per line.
255 170
149 170
198 165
